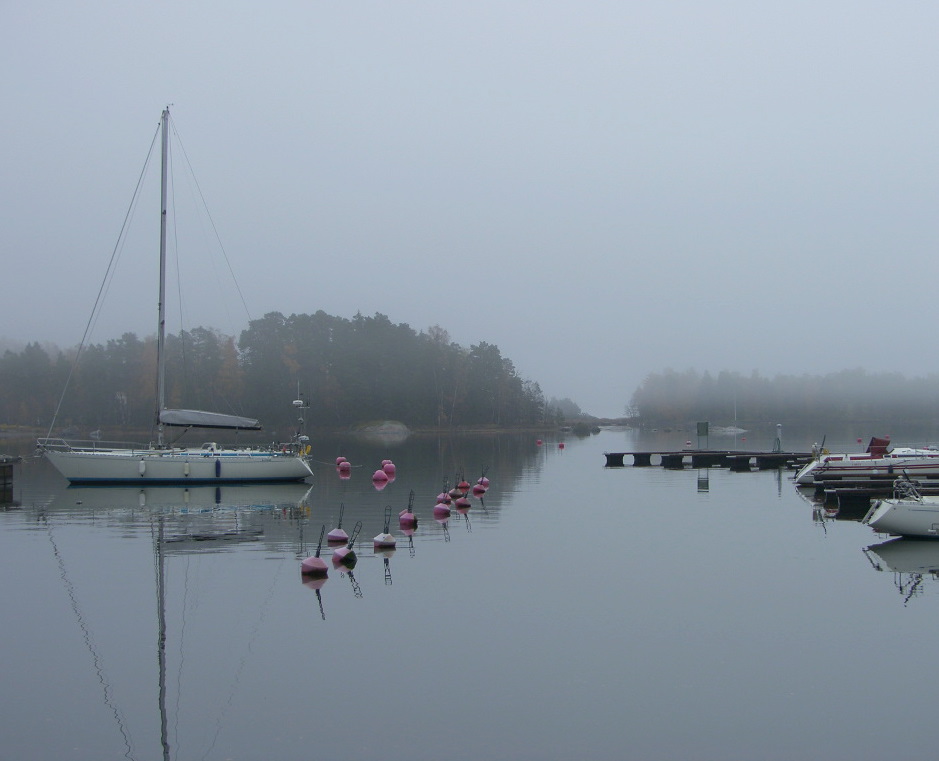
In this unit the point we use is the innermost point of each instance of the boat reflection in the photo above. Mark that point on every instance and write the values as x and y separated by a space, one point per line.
910 560
196 519
182 498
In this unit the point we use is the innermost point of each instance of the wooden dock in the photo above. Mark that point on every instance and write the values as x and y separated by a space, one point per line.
858 493
710 458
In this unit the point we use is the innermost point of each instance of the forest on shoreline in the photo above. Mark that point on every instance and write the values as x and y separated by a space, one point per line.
361 370
347 371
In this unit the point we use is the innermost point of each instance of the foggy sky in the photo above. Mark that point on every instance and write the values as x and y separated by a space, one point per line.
602 189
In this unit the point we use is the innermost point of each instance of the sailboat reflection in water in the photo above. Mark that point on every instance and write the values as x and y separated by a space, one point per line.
193 534
95 462
912 561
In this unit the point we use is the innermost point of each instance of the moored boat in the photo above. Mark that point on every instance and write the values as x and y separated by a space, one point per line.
158 462
879 461
907 513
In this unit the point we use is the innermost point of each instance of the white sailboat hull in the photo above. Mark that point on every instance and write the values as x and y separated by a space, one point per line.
177 466
905 517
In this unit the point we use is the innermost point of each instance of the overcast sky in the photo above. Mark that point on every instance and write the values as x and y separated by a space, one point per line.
602 189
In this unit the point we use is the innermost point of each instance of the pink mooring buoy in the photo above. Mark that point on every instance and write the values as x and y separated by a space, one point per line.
406 518
315 565
338 534
385 539
380 479
388 467
340 460
345 555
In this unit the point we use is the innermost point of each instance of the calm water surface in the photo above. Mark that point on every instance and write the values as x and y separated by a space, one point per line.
575 612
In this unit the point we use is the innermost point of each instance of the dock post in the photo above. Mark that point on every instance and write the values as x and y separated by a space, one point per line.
6 480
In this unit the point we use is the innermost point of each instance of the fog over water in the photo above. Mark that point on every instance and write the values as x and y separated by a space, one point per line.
602 190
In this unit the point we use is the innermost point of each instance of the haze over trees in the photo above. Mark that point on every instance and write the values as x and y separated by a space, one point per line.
855 395
348 370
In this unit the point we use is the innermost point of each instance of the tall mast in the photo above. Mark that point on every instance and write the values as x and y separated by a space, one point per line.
161 323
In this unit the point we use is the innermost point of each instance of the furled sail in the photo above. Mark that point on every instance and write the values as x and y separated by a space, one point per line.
201 419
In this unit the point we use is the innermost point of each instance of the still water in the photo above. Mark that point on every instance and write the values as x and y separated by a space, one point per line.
575 611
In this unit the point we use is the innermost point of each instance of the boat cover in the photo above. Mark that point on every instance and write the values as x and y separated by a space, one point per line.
202 419
878 446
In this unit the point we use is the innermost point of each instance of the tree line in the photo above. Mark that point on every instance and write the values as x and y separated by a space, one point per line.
347 370
855 395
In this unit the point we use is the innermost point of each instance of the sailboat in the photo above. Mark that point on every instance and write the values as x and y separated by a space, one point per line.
907 513
95 462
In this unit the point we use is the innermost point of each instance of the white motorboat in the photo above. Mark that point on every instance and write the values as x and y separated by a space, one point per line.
878 461
97 462
907 513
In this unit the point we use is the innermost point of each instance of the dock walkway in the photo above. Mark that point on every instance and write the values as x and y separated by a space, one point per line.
709 458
